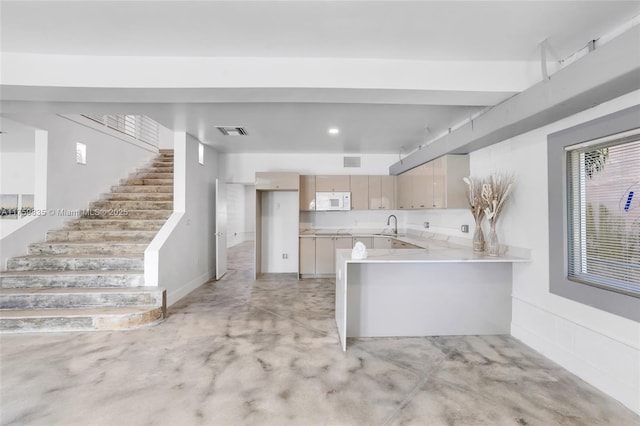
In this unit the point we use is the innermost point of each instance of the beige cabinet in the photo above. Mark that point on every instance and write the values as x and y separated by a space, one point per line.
326 253
367 241
333 183
381 192
448 186
307 192
437 184
404 190
382 242
307 256
277 181
359 192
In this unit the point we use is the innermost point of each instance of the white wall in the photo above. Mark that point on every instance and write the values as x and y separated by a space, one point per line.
241 168
601 348
182 256
279 231
17 172
72 186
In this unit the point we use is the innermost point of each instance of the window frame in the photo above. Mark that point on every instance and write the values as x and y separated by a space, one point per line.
621 304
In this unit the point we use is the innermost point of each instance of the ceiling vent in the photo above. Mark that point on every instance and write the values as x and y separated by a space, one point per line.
232 130
351 162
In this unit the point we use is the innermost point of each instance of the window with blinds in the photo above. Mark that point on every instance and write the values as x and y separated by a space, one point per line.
139 127
603 183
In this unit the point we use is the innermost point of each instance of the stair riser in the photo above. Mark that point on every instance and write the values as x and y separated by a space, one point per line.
138 196
117 207
132 215
151 175
75 264
144 189
140 181
128 236
79 301
72 281
116 225
57 324
160 166
88 249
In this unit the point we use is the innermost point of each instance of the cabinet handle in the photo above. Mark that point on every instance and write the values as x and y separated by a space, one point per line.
421 205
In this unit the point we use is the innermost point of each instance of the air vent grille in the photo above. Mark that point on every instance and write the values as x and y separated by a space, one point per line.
351 162
232 130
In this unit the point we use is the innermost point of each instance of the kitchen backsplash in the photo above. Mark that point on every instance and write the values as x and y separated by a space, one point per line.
447 222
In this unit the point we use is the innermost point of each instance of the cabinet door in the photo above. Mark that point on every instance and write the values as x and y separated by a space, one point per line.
277 181
421 187
456 168
367 241
307 192
382 242
404 188
359 192
307 255
439 183
387 192
324 255
375 200
333 183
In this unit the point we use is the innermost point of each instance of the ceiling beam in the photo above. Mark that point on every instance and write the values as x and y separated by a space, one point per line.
604 74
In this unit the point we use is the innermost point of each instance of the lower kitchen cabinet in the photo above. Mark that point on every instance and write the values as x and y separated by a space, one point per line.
326 253
367 241
382 242
307 256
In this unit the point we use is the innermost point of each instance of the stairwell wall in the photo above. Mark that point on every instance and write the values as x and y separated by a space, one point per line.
182 256
70 186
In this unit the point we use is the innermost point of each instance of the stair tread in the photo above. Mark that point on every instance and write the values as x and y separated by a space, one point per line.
78 290
70 273
82 256
72 313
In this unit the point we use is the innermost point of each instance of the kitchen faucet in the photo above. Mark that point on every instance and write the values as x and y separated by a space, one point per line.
395 225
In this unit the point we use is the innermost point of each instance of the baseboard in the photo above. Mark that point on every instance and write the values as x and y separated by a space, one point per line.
176 294
622 392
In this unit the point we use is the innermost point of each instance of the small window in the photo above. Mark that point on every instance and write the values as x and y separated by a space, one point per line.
201 153
603 206
81 153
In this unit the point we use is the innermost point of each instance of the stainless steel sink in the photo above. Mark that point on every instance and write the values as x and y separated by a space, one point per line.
386 234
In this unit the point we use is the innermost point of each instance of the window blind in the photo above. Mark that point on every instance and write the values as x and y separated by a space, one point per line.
603 183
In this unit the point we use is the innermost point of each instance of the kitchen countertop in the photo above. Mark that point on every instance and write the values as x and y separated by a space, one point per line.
434 247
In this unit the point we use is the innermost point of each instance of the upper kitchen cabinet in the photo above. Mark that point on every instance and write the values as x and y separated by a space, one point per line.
448 186
381 192
333 183
359 192
277 181
307 193
437 184
404 190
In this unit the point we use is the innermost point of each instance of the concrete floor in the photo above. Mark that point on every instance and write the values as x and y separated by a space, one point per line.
266 352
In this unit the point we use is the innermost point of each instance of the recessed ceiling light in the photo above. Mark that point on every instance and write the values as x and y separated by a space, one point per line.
232 130
334 131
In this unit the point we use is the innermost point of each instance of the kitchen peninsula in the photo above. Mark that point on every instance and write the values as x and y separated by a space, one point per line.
443 288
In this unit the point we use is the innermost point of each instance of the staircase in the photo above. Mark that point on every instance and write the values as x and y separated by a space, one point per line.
89 275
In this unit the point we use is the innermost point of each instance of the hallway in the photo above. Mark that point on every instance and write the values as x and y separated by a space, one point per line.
266 352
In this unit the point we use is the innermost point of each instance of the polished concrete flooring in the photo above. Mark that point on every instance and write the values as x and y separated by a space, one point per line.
266 352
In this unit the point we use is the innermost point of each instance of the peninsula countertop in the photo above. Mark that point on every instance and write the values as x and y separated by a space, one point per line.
433 248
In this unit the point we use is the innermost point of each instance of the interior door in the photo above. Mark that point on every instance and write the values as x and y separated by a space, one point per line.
221 229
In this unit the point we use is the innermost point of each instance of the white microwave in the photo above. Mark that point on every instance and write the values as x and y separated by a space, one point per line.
327 201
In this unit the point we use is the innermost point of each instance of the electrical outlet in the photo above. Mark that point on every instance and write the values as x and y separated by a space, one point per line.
464 228
426 225
285 256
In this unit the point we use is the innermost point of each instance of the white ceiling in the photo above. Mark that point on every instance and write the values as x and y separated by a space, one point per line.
417 31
